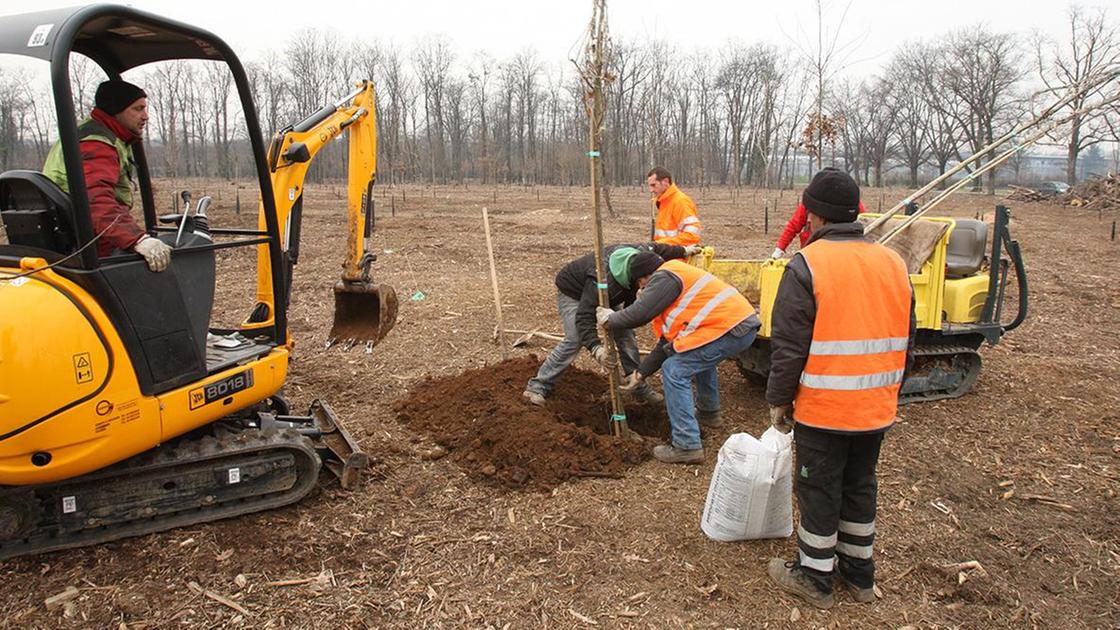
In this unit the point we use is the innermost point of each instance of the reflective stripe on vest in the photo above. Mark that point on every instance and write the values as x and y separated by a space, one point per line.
706 308
857 357
690 224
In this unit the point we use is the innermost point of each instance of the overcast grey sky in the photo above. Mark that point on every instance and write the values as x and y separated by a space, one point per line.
504 27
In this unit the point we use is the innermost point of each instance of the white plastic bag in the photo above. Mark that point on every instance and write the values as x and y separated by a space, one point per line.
751 493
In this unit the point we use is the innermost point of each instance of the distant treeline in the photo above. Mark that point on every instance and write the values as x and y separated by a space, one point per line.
739 114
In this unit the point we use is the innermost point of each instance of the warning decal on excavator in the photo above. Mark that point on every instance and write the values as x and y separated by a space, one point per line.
83 369
201 396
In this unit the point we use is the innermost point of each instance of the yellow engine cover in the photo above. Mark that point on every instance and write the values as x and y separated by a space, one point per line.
68 401
965 297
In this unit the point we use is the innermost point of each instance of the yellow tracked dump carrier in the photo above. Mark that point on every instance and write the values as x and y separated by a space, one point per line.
959 296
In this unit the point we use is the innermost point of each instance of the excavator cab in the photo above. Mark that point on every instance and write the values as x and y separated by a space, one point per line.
123 409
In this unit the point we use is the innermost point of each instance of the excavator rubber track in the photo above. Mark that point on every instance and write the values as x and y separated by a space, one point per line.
940 372
188 481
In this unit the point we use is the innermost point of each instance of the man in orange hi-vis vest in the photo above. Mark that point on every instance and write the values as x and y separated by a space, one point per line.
677 222
842 331
699 321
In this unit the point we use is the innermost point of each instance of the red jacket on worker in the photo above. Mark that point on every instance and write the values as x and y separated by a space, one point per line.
799 224
101 166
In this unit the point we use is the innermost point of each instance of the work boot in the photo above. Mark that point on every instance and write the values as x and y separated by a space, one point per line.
710 419
673 455
533 397
861 595
791 577
649 396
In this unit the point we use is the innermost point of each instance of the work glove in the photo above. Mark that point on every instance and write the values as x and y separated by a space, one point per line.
155 252
777 253
781 418
631 381
692 250
607 359
602 314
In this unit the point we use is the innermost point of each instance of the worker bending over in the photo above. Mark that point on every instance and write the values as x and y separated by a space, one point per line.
106 138
577 295
699 321
843 328
677 222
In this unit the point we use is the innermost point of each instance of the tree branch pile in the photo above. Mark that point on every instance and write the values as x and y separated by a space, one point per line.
1098 193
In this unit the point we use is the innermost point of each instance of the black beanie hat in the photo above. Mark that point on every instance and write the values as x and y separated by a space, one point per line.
832 195
113 97
643 264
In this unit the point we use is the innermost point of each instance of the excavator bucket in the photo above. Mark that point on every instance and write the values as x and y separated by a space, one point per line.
363 314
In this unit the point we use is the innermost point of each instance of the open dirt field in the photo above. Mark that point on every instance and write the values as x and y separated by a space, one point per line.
454 527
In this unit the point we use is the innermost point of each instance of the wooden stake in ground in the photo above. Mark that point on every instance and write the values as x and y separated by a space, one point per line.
593 71
494 283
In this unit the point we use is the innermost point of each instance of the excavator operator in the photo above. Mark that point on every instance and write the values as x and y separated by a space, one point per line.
106 138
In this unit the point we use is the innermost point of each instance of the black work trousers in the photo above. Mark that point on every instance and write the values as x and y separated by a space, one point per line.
836 490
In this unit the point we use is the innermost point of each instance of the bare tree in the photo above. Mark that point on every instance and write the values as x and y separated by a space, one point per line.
219 82
623 125
526 69
319 67
912 133
979 69
271 92
827 56
879 102
479 76
1093 49
737 83
85 76
433 57
40 118
165 85
393 103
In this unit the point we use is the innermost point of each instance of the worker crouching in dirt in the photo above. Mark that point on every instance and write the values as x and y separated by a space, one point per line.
700 321
577 295
843 327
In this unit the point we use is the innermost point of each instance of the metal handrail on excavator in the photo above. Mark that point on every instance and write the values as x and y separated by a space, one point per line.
1089 85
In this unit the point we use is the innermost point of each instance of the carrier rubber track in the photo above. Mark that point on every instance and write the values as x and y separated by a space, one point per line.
181 483
940 372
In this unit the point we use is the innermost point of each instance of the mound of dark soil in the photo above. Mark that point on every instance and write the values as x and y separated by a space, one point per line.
493 433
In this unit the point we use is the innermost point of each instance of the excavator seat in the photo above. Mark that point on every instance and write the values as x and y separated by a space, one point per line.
36 213
966 250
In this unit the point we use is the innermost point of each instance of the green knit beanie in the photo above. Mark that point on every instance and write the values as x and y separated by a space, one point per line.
619 264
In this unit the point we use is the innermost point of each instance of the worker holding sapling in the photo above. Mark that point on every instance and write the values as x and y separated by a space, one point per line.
699 321
842 331
577 297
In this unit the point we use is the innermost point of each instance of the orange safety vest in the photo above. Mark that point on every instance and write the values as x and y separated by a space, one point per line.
706 308
858 355
677 223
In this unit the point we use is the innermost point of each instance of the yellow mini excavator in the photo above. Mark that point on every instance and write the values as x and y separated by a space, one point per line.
122 410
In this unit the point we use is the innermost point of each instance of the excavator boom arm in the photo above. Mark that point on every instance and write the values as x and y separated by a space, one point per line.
290 155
